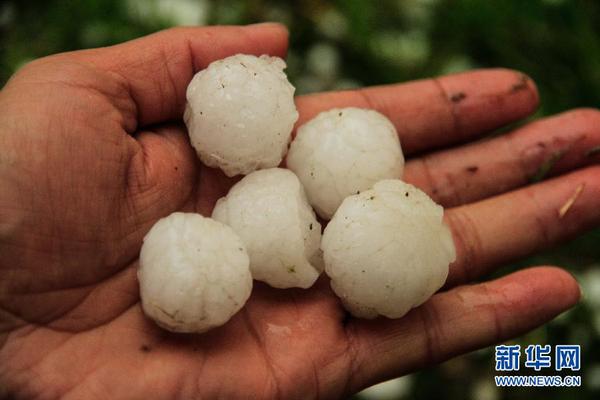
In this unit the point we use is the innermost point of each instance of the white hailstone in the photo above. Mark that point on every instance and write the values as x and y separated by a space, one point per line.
387 250
269 211
194 273
240 113
343 151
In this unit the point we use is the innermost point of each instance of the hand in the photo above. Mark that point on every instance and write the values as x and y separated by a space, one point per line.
92 153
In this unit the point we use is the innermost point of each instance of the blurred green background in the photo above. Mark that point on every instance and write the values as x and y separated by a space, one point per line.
351 43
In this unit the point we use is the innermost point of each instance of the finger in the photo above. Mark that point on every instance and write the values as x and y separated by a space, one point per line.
162 173
504 228
544 148
436 112
156 69
458 321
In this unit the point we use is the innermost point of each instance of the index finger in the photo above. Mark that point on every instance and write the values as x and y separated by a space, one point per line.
437 112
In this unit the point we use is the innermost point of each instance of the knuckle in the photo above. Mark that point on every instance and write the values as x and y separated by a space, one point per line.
468 243
434 335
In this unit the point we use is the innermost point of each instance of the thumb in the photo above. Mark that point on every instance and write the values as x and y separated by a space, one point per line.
163 171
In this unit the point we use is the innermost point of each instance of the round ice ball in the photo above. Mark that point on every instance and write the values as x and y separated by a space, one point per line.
194 273
387 250
240 113
343 151
269 211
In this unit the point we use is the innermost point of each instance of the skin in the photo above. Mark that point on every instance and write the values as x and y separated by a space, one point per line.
92 155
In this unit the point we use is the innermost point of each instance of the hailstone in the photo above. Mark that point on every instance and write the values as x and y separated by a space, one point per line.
194 273
387 250
240 113
343 151
269 211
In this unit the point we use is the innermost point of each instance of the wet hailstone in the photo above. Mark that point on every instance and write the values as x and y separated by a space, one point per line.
387 250
269 211
343 151
240 113
194 273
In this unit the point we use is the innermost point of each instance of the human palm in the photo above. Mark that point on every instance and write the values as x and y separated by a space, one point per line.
92 154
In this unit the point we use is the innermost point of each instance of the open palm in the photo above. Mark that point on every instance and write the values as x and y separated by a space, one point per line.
92 153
